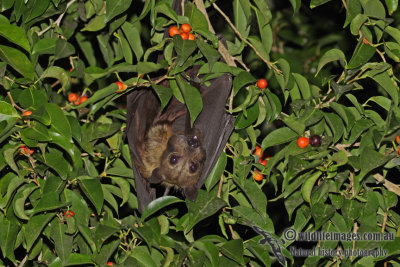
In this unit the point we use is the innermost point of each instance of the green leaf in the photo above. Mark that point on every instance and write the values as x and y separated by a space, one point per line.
34 9
18 61
336 124
183 49
389 85
278 136
142 255
394 32
57 73
163 93
132 33
102 233
392 5
295 125
63 49
20 198
7 111
233 249
58 120
93 191
362 54
308 185
375 9
245 120
62 242
303 85
9 230
32 99
206 204
38 132
353 9
315 3
371 159
357 22
329 56
242 79
197 20
34 228
79 259
116 7
216 172
49 201
44 46
192 98
57 162
210 53
158 204
296 4
15 35
95 24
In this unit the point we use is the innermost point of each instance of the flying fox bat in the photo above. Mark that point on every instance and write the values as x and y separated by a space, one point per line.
165 149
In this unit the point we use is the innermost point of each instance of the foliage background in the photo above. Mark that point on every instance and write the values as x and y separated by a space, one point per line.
332 68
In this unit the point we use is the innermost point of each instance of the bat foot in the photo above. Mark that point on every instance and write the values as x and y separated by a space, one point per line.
166 191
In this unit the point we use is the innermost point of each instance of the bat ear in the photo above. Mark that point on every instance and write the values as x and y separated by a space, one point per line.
155 177
190 192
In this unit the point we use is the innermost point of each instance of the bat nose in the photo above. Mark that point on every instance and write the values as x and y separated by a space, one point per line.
193 142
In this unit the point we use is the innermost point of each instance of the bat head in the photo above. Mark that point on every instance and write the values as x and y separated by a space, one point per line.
182 162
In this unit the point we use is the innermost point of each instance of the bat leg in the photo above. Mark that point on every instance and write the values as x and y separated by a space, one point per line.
167 188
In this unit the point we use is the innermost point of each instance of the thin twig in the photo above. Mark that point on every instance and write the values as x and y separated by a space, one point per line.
270 64
385 220
58 20
13 103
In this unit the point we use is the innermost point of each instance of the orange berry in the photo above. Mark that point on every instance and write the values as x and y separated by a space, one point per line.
262 83
191 37
121 86
82 99
25 150
397 139
109 263
258 176
263 161
302 142
173 31
26 113
258 152
72 97
365 40
184 35
185 28
69 213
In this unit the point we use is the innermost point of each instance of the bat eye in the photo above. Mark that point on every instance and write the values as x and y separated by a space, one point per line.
193 167
173 159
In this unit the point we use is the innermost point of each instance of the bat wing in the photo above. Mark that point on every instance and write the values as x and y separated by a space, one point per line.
142 109
213 121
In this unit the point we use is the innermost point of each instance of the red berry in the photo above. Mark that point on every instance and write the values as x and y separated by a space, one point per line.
109 263
72 97
258 176
365 40
185 28
302 142
26 113
82 99
258 152
173 31
69 213
184 35
263 162
262 83
121 86
191 37
397 139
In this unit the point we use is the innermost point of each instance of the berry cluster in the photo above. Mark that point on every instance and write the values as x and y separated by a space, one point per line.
76 99
184 32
